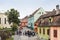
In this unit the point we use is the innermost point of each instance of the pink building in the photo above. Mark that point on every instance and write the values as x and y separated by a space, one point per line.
54 33
55 29
52 21
24 22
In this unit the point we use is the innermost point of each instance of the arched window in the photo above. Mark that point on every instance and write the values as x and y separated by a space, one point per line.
50 19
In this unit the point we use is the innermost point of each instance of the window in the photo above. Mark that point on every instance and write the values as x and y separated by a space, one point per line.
43 31
40 30
5 20
55 33
48 31
42 12
39 12
0 20
35 25
50 19
48 39
31 24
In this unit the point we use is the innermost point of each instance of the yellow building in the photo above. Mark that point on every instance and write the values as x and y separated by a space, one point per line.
43 32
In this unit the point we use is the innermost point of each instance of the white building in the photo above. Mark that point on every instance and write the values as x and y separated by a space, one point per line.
4 21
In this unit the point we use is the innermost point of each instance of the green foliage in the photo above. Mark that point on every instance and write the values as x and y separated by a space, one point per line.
10 38
13 16
14 27
5 34
1 27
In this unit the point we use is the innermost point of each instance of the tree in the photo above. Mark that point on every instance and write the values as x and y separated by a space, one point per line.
13 15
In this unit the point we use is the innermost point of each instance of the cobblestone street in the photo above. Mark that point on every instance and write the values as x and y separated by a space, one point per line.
17 37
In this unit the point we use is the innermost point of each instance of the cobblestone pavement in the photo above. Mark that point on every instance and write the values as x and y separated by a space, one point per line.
23 37
17 37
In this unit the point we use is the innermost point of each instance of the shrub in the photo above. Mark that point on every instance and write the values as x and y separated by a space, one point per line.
5 34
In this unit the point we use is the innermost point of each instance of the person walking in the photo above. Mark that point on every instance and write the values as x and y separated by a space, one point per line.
20 32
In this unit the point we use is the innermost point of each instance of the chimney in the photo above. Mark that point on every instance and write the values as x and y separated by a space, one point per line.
57 7
53 9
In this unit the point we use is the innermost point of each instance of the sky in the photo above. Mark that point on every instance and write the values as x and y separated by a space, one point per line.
27 7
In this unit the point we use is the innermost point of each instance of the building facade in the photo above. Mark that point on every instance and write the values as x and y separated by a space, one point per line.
49 25
31 19
34 17
24 22
55 30
44 28
37 16
31 22
4 21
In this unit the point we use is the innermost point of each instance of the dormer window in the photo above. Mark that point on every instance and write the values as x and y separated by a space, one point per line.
50 19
